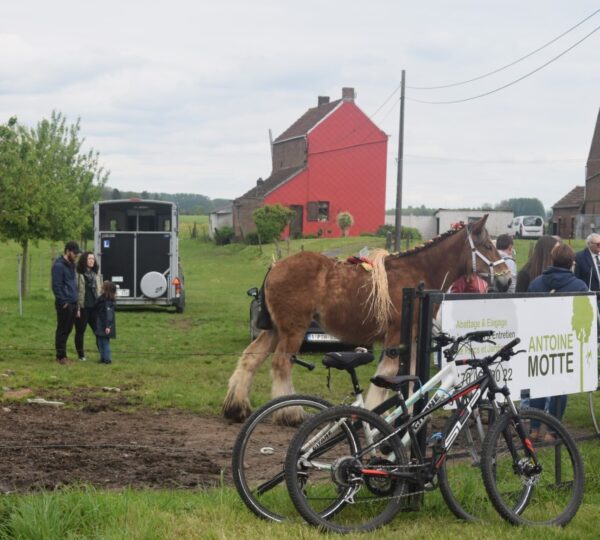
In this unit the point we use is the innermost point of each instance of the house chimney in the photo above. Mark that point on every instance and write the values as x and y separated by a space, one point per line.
259 186
348 94
322 100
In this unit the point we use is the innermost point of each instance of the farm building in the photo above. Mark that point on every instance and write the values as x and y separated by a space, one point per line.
429 226
219 218
577 214
566 211
332 159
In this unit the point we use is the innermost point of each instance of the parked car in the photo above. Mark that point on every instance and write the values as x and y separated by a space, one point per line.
138 249
527 226
315 339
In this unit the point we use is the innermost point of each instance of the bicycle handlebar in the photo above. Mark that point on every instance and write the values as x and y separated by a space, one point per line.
504 352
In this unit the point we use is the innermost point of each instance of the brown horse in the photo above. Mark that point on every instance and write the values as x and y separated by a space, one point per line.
354 305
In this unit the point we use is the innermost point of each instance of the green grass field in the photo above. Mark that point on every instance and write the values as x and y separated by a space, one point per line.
183 361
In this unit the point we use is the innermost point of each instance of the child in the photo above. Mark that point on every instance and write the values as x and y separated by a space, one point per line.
105 321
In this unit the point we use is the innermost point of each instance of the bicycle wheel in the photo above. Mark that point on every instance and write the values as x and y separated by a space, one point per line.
524 491
333 482
259 455
460 474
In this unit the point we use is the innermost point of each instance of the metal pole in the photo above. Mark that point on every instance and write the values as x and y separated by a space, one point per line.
19 285
400 163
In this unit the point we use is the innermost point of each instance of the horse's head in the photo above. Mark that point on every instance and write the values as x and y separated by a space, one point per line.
484 259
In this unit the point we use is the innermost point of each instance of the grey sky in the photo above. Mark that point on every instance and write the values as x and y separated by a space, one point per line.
178 96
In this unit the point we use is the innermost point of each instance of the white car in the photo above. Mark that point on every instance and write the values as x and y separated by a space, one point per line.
527 226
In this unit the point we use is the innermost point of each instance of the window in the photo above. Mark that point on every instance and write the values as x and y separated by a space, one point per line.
317 211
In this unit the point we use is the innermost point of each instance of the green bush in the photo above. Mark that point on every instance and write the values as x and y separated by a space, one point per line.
251 239
271 220
223 235
407 232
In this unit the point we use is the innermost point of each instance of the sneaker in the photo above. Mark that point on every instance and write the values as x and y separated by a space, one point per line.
63 361
82 359
102 361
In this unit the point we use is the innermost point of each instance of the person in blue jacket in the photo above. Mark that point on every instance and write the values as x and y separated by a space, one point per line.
105 321
66 296
556 278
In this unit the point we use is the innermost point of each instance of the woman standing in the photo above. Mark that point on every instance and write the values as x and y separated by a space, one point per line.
540 259
89 285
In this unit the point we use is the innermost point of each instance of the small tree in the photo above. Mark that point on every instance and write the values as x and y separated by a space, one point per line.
344 222
47 184
270 221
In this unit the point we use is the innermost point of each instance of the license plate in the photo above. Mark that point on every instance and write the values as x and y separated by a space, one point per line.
321 337
122 292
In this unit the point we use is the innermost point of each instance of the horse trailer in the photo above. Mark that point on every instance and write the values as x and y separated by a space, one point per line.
137 247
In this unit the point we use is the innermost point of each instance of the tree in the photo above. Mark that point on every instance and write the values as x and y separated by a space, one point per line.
344 221
270 221
522 207
48 184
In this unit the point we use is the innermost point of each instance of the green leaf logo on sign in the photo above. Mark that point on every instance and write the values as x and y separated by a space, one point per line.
581 323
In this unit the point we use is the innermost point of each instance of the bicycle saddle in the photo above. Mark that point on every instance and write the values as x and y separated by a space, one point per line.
346 360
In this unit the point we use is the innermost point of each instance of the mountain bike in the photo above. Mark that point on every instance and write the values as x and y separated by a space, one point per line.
259 450
348 470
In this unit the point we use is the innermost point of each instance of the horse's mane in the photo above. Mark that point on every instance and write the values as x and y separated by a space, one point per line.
430 243
380 302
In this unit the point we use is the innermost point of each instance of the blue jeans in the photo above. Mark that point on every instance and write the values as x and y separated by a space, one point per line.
558 404
103 344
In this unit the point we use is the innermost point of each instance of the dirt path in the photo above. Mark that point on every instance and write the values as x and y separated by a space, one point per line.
43 447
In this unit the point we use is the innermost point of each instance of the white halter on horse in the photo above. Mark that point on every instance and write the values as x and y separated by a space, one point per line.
475 253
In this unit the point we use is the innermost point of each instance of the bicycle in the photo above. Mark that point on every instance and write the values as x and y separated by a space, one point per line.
257 465
347 469
260 447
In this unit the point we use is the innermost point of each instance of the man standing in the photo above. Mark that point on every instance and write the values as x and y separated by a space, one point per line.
64 287
504 245
587 263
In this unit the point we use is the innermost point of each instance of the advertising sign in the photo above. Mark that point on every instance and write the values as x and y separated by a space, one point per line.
558 335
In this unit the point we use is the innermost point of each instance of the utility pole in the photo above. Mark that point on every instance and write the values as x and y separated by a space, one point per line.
400 163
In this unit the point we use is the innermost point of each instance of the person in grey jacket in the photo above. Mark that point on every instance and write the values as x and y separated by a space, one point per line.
89 285
64 287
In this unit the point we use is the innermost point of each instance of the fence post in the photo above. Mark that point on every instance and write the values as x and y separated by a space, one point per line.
19 287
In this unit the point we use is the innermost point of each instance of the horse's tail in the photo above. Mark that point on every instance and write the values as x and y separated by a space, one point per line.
263 317
381 306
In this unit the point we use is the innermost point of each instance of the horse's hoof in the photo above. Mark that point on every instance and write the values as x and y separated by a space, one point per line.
290 416
238 412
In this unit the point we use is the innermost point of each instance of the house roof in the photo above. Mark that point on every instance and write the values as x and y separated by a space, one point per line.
593 162
573 199
277 178
308 121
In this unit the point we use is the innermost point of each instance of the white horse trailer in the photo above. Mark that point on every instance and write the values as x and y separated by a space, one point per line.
138 249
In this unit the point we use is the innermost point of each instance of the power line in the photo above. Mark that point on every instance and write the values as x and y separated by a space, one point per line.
507 65
496 160
510 83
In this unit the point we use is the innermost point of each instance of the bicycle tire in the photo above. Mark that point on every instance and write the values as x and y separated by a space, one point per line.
333 492
259 454
507 470
460 473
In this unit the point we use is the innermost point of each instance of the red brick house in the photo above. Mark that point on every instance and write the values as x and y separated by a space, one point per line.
332 159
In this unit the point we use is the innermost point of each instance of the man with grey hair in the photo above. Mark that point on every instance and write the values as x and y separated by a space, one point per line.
587 263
